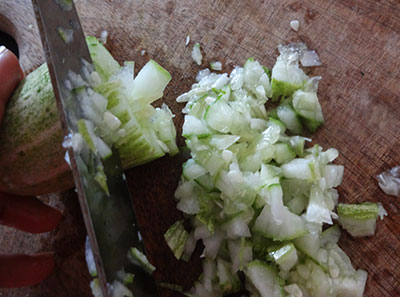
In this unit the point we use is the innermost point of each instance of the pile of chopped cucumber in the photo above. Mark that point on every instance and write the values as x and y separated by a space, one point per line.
117 111
256 195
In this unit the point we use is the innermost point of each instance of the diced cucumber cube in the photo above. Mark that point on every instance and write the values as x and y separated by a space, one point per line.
358 219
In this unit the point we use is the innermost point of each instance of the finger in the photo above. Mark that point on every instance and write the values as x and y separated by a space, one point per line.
10 75
25 270
28 214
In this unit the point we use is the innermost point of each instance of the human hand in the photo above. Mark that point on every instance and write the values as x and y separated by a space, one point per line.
24 213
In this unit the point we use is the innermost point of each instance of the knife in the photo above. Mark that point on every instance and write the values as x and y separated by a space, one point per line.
107 210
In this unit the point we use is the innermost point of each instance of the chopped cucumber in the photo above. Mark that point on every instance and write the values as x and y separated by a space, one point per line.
240 253
358 219
283 153
176 237
219 116
140 132
285 256
306 104
150 82
228 281
298 168
298 204
330 236
256 80
297 143
103 61
333 175
192 170
289 117
287 227
256 194
194 127
309 244
140 259
286 75
264 279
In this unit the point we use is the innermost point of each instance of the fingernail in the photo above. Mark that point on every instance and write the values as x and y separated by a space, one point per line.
3 49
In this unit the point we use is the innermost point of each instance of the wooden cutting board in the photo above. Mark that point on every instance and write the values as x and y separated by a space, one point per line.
359 45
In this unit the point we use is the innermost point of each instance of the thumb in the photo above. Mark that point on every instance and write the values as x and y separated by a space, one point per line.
10 75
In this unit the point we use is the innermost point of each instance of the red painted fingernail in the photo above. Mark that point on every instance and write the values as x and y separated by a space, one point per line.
25 270
28 214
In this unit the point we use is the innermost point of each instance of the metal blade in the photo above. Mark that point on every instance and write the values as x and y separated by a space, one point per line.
109 218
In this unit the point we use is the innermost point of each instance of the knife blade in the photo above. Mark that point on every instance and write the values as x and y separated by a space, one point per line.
107 210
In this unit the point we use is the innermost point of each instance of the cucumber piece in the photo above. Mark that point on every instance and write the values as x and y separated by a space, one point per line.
212 244
194 127
285 256
237 227
96 144
256 80
319 209
279 225
269 171
211 160
101 179
333 175
196 54
330 235
198 106
86 128
289 117
306 104
190 246
223 141
264 278
283 153
150 82
209 273
192 170
240 253
206 181
293 290
358 219
140 259
96 288
310 245
208 209
277 123
352 286
299 168
176 237
297 144
298 204
125 277
237 196
165 128
219 116
293 187
286 75
216 65
236 78
103 61
119 290
228 280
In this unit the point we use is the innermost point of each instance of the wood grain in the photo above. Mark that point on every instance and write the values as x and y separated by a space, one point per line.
359 45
